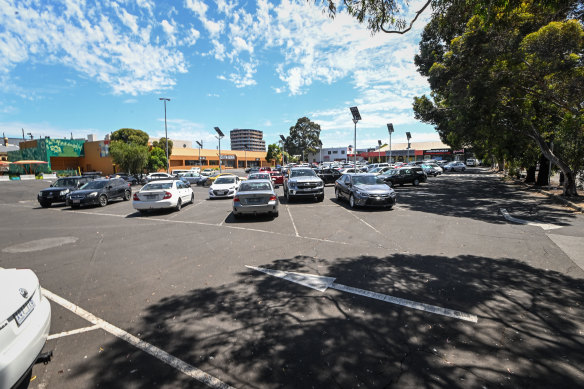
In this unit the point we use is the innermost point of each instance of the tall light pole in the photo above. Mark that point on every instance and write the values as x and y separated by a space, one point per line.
245 150
390 130
200 147
409 136
283 148
220 135
356 118
379 151
166 133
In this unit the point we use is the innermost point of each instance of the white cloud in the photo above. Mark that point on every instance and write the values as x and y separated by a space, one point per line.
170 30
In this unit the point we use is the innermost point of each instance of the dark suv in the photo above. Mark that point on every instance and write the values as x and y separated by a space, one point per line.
303 182
405 175
100 192
59 189
329 176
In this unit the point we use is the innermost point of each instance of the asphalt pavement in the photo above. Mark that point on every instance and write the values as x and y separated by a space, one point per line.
166 300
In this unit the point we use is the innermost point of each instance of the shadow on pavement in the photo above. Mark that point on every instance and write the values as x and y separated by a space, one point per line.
264 332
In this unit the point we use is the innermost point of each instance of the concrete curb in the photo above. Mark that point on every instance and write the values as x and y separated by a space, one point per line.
552 196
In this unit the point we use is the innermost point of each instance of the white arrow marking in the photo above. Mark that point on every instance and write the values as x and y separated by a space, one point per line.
322 283
510 218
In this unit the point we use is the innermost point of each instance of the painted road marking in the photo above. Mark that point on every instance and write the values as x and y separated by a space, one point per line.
510 218
291 218
73 332
161 355
322 283
362 221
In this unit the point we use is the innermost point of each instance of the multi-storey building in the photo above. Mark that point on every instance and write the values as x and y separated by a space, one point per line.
247 139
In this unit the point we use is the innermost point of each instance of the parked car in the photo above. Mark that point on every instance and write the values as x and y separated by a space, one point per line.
265 169
255 197
163 194
25 320
454 167
277 178
158 176
364 189
259 176
303 182
328 175
207 172
472 162
130 179
379 169
430 170
404 175
58 191
435 166
191 177
100 192
224 186
211 179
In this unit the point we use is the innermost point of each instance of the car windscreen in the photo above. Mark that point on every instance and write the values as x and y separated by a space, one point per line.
95 185
366 180
65 182
225 180
157 186
302 173
254 186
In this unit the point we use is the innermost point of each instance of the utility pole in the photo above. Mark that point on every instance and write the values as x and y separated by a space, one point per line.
356 118
166 134
390 130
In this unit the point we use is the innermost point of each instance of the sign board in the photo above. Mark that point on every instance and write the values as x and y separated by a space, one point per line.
227 156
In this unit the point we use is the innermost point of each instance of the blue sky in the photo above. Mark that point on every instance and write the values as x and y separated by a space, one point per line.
92 67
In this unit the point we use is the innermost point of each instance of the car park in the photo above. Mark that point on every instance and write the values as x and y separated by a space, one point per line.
303 182
364 189
255 197
25 320
163 194
328 175
100 192
58 191
454 167
224 186
404 175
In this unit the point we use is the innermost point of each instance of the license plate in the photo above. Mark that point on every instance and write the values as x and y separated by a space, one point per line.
223 192
23 312
76 201
253 201
151 197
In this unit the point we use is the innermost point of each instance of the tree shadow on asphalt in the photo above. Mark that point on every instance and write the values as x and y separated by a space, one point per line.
263 332
479 199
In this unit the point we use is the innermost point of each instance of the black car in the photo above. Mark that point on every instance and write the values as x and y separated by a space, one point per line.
100 192
366 190
59 190
130 179
405 175
329 176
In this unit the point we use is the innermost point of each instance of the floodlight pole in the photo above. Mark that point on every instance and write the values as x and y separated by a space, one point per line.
356 118
283 148
245 151
390 130
219 136
166 134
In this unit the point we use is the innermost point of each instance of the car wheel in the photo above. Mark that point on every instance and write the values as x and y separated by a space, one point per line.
338 194
102 200
288 197
416 182
352 201
127 195
275 214
192 198
45 204
463 169
320 199
179 205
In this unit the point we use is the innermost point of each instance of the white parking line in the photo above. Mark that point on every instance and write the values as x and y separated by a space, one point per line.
510 218
291 218
363 221
161 355
73 332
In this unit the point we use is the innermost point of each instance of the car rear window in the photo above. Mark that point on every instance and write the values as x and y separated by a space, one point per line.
157 186
253 186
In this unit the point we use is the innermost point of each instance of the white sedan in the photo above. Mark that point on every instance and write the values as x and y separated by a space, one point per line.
25 319
224 186
163 194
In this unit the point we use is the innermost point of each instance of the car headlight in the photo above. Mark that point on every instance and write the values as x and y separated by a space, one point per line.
392 194
92 194
292 184
361 194
64 192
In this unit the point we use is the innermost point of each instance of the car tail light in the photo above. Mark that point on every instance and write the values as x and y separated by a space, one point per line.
136 198
167 195
273 198
236 199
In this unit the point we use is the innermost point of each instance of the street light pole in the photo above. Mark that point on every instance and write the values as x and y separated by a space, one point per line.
379 151
219 136
200 147
356 118
409 136
166 133
245 150
390 130
283 148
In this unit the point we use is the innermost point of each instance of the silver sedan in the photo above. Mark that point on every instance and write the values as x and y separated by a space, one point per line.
255 197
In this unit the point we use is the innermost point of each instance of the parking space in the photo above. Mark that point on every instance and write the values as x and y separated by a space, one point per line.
169 302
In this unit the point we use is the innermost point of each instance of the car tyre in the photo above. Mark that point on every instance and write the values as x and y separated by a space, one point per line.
416 182
192 198
338 194
463 169
288 197
127 195
275 214
320 199
352 201
102 200
178 205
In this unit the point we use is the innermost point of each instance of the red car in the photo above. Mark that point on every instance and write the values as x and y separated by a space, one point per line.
277 178
265 169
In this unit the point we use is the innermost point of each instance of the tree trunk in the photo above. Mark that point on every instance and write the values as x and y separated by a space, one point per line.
530 177
544 171
570 182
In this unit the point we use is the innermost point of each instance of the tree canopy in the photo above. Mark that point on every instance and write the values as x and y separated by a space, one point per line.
507 81
161 144
156 159
130 157
130 135
274 153
304 137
